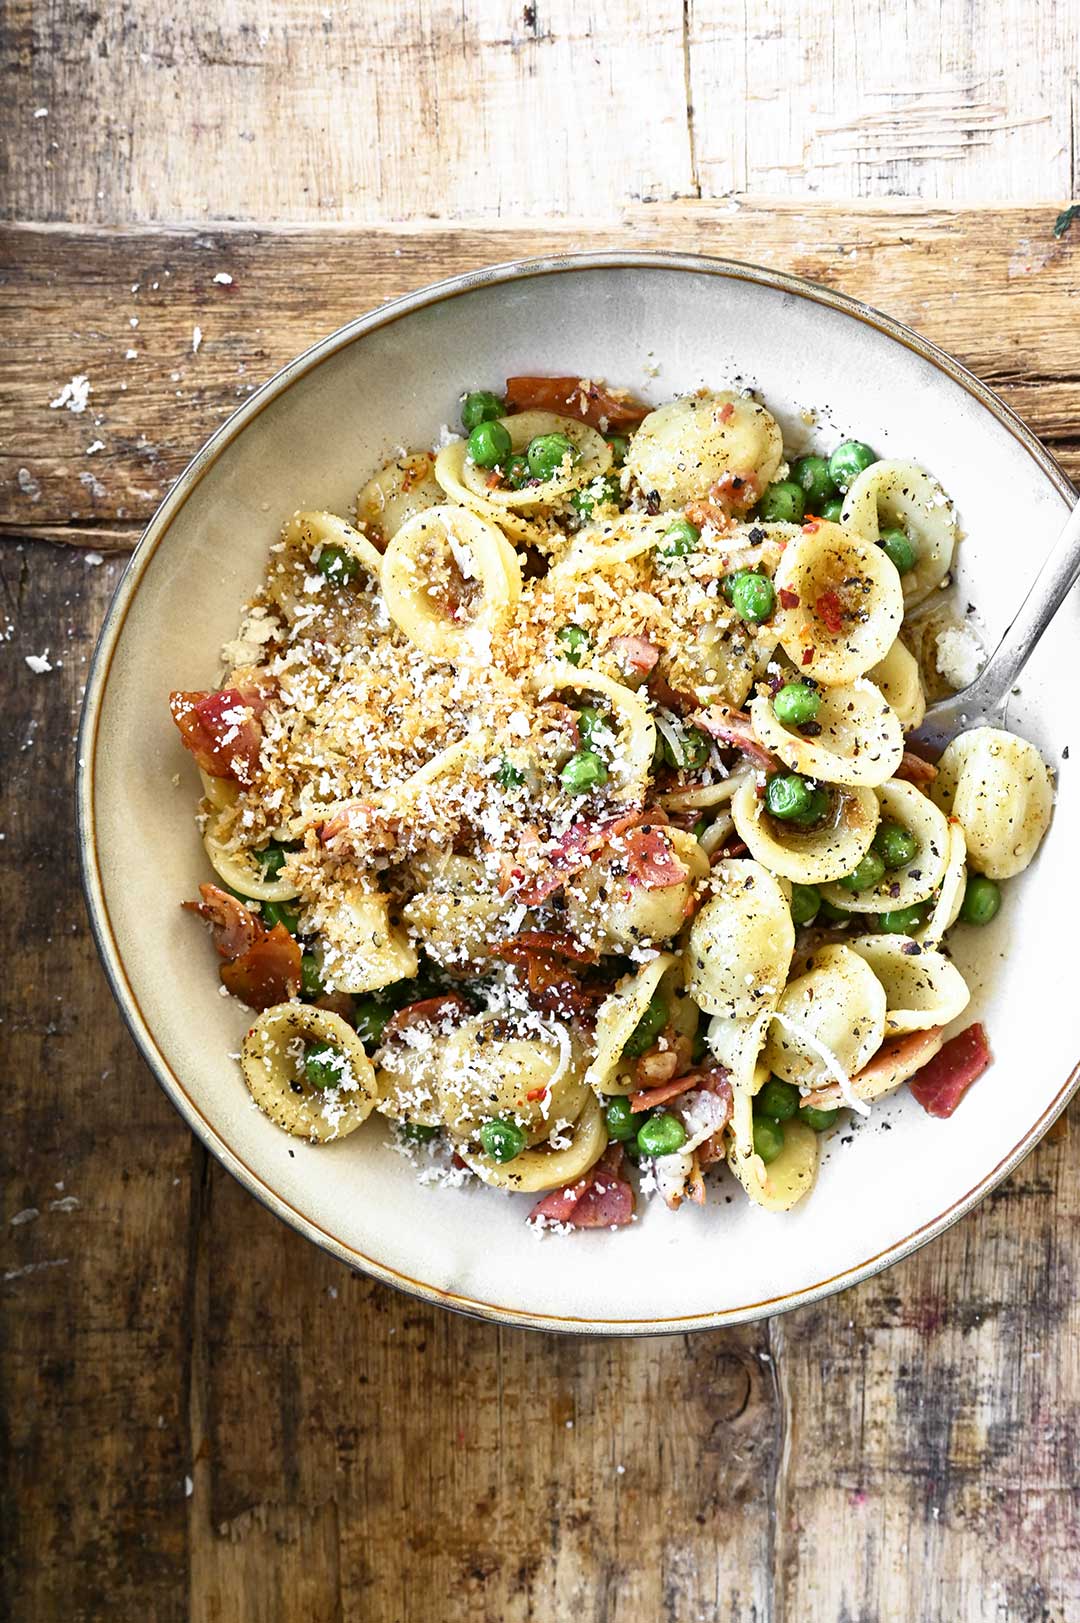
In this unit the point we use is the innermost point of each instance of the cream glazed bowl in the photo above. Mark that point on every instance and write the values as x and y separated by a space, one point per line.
661 324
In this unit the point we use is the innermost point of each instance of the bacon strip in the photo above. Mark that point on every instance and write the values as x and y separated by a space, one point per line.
635 653
713 1078
942 1083
527 943
235 927
268 973
913 769
734 727
550 982
602 408
222 729
576 850
601 1199
650 860
426 1012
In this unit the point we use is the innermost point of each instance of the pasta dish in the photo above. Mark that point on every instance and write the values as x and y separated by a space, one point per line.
561 808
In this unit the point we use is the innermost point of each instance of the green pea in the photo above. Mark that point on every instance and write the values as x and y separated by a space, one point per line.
796 704
322 1065
590 722
901 921
503 1140
790 798
895 845
829 913
604 491
337 565
848 461
648 1027
752 596
583 771
311 983
271 860
370 1018
690 751
281 913
811 474
480 406
622 1122
900 550
619 446
508 777
982 898
574 643
831 511
782 503
819 1120
489 444
777 1100
547 453
811 815
805 902
865 874
768 1138
679 538
661 1135
417 1132
515 472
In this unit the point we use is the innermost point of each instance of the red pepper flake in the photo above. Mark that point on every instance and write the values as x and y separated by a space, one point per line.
830 611
534 1094
807 656
788 600
810 526
727 412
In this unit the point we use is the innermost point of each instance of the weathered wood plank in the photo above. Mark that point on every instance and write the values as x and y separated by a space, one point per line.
933 1469
457 1470
69 301
310 113
967 104
95 1169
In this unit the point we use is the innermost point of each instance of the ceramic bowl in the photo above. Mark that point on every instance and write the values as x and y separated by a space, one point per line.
661 324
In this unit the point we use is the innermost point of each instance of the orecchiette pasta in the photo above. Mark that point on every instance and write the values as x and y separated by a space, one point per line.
899 495
272 1060
840 604
428 575
740 943
922 987
905 807
837 1009
684 448
998 788
858 739
561 812
897 676
808 856
397 493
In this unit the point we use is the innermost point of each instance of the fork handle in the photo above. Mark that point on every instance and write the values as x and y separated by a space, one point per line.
1059 573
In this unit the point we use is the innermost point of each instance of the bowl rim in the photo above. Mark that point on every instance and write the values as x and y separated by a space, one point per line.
97 683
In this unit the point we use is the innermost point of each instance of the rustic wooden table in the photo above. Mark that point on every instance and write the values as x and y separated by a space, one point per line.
206 1418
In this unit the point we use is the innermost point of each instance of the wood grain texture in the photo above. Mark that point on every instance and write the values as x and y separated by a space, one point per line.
122 308
206 1420
296 111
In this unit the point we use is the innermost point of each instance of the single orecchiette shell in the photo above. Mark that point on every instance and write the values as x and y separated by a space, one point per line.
272 1060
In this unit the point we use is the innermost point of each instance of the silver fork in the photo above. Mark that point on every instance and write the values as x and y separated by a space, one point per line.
983 700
